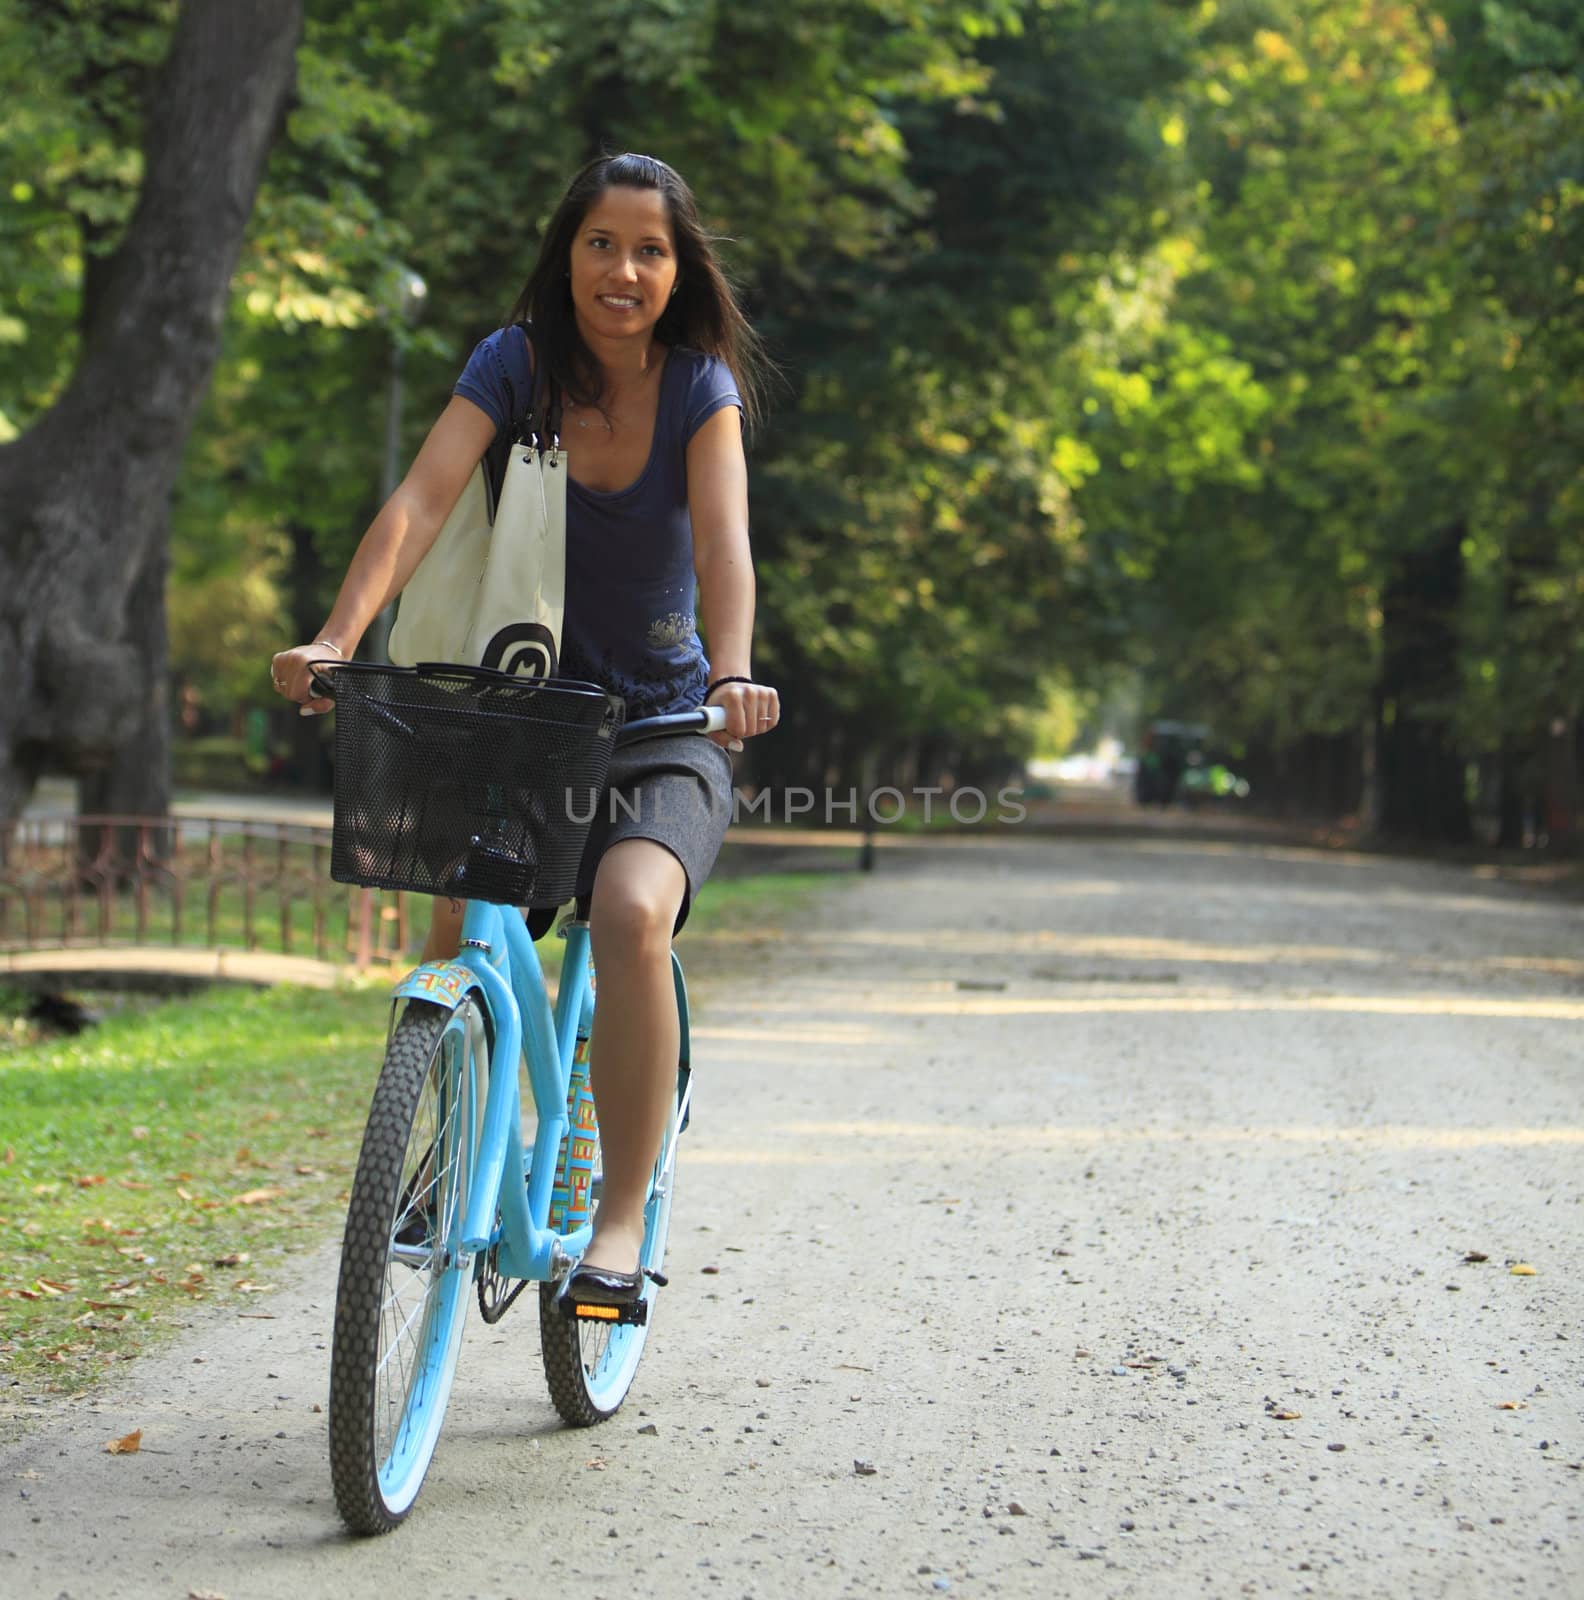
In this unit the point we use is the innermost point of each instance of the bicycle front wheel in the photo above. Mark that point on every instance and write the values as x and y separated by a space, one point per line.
401 1300
590 1366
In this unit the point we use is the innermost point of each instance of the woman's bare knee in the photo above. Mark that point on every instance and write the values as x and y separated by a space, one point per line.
637 894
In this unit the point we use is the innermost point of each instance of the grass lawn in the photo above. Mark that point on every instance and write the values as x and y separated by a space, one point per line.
177 1152
173 1154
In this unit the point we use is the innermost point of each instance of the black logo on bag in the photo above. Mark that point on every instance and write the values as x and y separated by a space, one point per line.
527 649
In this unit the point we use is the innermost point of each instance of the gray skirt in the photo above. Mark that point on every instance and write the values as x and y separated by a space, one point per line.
675 790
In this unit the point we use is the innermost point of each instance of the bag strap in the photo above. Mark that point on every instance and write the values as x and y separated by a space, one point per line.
541 427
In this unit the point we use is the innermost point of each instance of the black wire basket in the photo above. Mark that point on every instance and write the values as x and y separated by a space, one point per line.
468 783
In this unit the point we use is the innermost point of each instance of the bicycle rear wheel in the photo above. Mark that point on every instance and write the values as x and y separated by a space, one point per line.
590 1366
401 1300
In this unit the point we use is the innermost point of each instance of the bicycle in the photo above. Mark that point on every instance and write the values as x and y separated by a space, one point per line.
445 783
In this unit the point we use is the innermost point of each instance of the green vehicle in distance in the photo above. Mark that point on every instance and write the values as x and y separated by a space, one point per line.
1167 751
1175 762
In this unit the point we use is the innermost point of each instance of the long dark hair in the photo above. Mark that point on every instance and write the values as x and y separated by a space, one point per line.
703 315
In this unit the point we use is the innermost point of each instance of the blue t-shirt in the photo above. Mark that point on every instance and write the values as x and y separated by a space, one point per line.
629 623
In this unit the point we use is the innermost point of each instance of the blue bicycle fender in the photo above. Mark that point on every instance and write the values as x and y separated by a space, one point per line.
441 983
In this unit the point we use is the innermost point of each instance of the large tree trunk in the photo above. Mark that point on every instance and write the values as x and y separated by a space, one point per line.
85 493
1421 770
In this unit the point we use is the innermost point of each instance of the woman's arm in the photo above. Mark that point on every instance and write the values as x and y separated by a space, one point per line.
396 541
717 475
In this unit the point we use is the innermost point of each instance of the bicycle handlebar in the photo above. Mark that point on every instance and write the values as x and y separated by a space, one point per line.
705 719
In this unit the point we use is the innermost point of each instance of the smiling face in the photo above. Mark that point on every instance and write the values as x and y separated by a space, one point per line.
623 264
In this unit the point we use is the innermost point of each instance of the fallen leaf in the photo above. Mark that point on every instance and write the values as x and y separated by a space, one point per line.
235 1259
257 1197
131 1183
864 1469
1513 1405
90 1181
1522 1269
49 1286
127 1445
181 1194
247 1286
596 1465
1476 1256
205 1594
1285 1416
308 1172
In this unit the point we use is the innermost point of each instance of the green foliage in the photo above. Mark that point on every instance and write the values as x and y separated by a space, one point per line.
1132 339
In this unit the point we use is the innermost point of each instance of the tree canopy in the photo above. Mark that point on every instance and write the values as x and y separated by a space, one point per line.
1230 349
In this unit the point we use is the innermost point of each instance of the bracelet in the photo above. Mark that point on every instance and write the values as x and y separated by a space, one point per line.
721 682
328 645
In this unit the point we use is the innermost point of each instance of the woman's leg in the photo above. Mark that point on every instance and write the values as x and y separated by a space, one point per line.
445 930
633 1055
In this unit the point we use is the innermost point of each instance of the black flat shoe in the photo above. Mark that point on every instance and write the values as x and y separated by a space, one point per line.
604 1286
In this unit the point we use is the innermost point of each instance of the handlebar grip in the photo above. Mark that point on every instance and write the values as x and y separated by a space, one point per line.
703 719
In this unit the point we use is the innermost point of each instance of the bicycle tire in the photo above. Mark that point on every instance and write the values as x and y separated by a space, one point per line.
398 1251
590 1366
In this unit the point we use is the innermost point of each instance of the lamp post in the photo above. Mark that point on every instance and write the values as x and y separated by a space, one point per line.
404 306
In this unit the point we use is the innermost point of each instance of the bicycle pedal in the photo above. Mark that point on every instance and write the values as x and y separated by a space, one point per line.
635 1315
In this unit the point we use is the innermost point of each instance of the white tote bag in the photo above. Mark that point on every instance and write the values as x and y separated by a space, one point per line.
492 589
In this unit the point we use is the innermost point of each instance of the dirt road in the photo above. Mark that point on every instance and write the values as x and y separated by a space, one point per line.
1114 1204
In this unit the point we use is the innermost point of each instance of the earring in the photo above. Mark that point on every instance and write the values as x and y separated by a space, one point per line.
674 288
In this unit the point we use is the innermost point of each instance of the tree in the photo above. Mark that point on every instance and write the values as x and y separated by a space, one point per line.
85 492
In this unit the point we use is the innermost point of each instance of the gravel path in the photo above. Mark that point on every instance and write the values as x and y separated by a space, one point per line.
1058 1218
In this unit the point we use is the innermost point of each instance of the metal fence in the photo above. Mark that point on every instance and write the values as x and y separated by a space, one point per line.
191 882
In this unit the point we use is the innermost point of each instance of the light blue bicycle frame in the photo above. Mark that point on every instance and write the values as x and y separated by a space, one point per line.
499 959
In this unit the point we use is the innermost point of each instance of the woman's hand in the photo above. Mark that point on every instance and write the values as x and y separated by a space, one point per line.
290 672
751 709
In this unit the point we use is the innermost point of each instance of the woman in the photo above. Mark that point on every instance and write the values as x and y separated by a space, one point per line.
636 324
